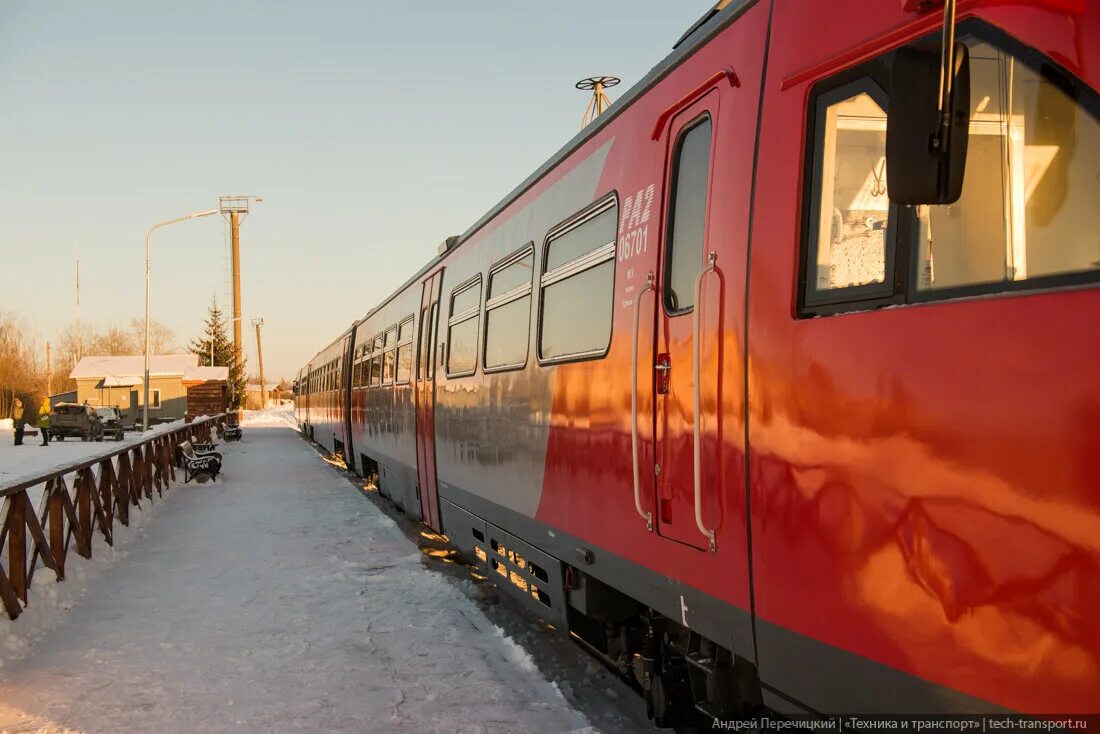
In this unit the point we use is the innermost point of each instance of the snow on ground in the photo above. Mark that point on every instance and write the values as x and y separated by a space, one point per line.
277 599
282 415
32 457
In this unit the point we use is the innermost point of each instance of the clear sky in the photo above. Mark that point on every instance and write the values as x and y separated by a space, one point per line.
372 130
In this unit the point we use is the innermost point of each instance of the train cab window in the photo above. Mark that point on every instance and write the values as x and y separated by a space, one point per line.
1028 210
688 216
390 346
852 246
376 363
508 311
1027 217
577 286
462 328
404 350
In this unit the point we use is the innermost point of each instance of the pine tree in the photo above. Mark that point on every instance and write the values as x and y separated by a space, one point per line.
224 353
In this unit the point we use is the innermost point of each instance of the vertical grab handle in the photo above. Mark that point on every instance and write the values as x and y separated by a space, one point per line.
647 516
696 359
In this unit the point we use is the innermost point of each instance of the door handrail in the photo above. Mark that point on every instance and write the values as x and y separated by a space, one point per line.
697 467
647 516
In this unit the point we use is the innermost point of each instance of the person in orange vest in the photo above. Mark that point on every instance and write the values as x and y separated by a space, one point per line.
44 421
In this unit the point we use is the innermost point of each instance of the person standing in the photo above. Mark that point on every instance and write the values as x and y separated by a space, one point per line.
44 421
17 420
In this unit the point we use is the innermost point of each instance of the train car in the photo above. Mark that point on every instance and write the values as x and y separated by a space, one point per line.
323 406
759 418
301 398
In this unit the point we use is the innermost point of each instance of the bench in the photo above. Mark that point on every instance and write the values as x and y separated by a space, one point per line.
230 433
197 464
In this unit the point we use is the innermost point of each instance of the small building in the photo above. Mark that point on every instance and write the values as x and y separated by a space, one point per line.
207 392
119 381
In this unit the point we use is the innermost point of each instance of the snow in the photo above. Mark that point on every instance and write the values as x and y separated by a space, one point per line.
282 415
276 599
160 365
33 458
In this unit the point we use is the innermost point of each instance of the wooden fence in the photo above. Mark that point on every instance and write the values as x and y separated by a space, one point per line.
78 498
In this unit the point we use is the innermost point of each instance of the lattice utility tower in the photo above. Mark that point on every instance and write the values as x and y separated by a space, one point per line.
235 209
600 101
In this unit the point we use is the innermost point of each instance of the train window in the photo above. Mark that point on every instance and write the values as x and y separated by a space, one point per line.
1027 215
388 356
852 242
515 273
467 298
432 319
421 359
508 311
591 234
462 348
462 328
687 215
376 363
404 350
1026 218
577 286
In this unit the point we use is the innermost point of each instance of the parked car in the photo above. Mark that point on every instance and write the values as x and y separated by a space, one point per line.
111 418
74 420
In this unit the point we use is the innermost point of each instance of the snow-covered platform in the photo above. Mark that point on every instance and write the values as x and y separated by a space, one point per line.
279 599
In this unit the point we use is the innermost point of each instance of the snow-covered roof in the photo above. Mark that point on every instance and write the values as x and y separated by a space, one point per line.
116 381
160 365
202 373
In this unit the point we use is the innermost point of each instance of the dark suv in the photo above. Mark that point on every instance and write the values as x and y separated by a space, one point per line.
73 420
111 418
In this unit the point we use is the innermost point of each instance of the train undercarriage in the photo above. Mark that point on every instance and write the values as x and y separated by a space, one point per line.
686 680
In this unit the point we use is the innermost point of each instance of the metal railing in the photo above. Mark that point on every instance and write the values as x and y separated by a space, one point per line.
103 488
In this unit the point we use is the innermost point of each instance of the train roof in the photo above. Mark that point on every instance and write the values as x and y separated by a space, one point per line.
698 34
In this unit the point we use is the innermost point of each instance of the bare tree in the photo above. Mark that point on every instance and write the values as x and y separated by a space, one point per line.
160 337
113 342
18 369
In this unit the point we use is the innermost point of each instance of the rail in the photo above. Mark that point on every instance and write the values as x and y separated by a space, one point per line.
697 461
646 515
103 489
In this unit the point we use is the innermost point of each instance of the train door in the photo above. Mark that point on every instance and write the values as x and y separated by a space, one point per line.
425 401
344 399
684 262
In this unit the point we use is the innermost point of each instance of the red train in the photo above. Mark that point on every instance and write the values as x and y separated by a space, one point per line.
757 416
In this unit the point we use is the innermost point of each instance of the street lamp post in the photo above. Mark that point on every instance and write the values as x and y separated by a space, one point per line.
148 240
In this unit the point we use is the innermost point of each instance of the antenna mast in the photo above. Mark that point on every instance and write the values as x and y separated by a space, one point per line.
600 101
79 334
